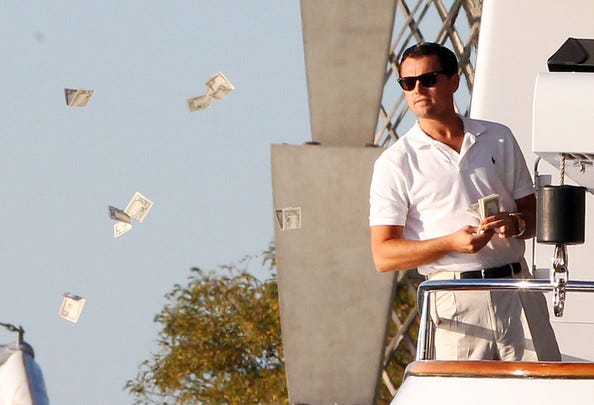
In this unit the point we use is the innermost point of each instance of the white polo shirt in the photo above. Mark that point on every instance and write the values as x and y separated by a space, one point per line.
425 186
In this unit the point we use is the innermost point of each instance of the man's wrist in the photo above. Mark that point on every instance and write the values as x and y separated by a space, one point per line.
520 224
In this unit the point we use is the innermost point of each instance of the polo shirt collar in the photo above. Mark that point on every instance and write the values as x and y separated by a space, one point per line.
420 140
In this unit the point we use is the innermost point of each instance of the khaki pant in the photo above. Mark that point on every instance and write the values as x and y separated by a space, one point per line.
492 325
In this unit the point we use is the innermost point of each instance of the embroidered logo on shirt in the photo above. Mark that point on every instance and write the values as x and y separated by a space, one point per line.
493 159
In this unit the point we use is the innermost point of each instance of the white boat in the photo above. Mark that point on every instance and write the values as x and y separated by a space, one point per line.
492 382
21 380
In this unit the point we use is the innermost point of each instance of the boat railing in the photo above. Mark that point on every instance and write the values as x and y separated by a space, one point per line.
427 289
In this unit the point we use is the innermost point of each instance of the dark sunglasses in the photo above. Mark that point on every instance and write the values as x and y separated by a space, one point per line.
426 80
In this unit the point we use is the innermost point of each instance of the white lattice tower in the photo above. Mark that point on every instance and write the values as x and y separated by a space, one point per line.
455 24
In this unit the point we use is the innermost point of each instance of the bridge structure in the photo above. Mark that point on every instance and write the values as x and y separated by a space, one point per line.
345 327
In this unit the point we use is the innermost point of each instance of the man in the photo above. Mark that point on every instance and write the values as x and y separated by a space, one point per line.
421 189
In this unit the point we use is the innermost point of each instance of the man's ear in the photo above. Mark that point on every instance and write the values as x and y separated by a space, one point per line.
455 81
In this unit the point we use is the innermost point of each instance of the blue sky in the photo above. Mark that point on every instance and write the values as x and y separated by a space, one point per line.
208 172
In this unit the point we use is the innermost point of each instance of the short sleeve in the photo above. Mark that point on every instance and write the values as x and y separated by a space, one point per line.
387 201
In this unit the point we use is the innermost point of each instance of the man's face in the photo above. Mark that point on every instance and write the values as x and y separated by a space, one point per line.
429 102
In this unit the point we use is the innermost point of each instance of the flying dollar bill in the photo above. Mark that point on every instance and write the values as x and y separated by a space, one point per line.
138 207
119 215
289 218
219 86
71 307
199 103
78 97
120 228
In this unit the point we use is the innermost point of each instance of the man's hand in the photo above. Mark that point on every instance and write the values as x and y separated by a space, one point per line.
470 239
503 224
391 252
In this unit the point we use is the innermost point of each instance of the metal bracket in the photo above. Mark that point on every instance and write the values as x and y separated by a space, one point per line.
582 165
559 279
19 331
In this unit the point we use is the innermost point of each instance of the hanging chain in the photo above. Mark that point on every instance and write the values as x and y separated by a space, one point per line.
560 270
562 169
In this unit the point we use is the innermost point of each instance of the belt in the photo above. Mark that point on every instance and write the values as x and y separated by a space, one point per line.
494 272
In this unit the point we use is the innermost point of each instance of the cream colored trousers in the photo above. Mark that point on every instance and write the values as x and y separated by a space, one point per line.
492 325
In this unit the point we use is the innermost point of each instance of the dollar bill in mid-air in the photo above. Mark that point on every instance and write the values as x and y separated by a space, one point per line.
119 215
138 207
199 103
219 86
289 218
78 97
71 307
120 228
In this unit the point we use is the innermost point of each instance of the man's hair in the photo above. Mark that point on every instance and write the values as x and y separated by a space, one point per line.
447 58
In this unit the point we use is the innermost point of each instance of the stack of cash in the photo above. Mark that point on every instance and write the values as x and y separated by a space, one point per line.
484 207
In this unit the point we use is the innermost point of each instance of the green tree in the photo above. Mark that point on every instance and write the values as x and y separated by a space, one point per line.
220 341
